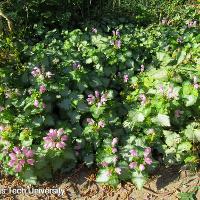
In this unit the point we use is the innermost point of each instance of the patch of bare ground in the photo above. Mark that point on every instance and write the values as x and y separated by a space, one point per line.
81 185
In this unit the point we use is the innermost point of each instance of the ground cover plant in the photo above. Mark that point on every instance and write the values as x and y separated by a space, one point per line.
118 95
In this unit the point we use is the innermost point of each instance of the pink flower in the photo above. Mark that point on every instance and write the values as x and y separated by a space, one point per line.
36 71
108 173
114 141
90 121
178 113
118 44
133 153
143 99
114 150
171 93
76 65
101 124
104 164
99 99
115 159
55 139
142 68
103 98
1 128
148 161
161 89
141 167
125 78
30 161
96 94
90 99
147 151
20 157
94 30
133 165
116 33
196 86
36 103
42 89
118 170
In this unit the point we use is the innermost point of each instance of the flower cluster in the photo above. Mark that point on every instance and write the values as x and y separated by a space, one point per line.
37 104
135 164
19 157
100 124
192 23
76 65
36 71
55 139
195 80
117 42
99 99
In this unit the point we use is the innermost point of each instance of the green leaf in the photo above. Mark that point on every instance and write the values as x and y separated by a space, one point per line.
29 176
138 179
181 56
184 146
88 61
57 163
89 159
190 100
102 176
163 120
65 104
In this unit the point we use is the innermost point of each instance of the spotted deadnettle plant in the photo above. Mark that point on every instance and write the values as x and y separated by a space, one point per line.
20 157
55 139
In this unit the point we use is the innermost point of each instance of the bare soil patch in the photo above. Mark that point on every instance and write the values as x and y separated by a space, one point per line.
165 184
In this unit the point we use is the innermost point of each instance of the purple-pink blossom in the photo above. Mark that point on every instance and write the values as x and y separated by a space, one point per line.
36 71
98 98
147 151
126 78
147 160
142 68
91 99
118 170
76 65
141 167
178 113
114 141
118 44
101 124
143 99
94 30
36 103
104 164
195 80
133 152
42 89
19 157
114 149
55 139
132 165
115 159
171 93
116 33
90 121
